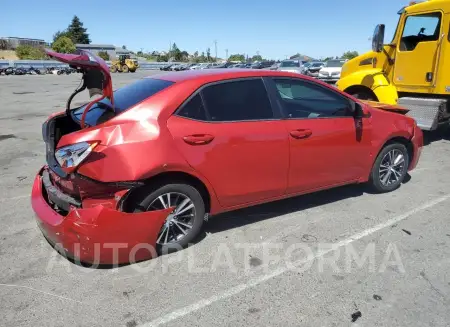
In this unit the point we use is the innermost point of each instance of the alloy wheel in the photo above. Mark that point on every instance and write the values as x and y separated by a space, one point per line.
392 167
179 222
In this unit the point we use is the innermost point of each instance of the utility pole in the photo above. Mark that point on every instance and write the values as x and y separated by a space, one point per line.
226 54
215 48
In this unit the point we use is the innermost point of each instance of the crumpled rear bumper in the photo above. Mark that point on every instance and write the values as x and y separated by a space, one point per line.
98 234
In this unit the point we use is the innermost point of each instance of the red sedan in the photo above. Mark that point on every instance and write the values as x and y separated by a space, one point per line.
140 168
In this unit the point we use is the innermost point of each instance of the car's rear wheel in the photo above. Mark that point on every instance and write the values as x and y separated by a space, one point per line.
185 222
390 168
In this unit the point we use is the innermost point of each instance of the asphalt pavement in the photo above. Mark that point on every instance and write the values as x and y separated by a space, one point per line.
342 257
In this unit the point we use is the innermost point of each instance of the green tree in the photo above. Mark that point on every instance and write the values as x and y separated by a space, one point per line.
236 57
175 53
350 54
124 47
257 58
58 34
29 52
104 55
77 33
208 54
63 45
163 58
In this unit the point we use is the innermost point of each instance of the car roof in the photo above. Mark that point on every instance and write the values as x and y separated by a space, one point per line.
212 75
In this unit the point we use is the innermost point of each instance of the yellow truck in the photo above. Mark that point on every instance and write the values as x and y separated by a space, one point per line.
413 70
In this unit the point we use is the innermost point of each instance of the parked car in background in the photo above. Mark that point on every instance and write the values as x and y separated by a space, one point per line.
262 64
275 66
292 66
223 65
204 65
331 71
313 69
166 67
238 66
177 147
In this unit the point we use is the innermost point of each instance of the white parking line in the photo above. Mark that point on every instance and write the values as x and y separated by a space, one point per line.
261 279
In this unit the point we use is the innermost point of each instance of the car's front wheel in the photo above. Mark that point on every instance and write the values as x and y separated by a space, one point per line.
390 168
184 224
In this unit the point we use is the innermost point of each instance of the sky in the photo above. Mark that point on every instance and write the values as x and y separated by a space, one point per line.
273 29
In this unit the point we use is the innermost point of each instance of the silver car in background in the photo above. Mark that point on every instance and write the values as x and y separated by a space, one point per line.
292 66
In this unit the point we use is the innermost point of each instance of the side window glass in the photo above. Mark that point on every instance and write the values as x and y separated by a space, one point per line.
420 28
301 99
238 101
193 109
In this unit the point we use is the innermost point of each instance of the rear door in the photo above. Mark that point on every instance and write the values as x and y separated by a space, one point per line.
328 146
229 133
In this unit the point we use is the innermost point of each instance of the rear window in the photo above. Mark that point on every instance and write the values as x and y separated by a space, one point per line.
124 98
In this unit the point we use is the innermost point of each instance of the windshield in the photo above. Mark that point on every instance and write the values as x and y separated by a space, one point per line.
290 64
335 63
124 98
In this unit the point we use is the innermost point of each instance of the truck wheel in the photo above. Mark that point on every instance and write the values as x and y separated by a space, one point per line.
125 68
390 168
364 95
186 222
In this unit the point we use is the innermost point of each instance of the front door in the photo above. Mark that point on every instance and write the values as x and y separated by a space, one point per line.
228 133
418 51
328 146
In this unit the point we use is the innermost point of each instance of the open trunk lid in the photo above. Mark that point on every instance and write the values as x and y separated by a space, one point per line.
96 75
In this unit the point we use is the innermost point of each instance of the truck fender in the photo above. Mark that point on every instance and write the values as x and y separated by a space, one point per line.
371 81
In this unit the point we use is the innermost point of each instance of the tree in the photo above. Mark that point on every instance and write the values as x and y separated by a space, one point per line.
184 55
328 58
58 34
350 54
104 55
63 45
124 47
208 54
257 58
237 57
29 52
77 33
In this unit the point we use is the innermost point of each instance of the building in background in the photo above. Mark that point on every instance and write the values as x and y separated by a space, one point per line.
14 42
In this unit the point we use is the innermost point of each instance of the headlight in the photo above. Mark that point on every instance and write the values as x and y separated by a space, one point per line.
72 155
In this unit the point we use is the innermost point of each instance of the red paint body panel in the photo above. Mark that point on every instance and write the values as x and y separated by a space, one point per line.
336 152
92 234
246 161
239 163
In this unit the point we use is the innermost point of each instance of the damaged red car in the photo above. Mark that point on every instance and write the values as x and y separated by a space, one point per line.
141 167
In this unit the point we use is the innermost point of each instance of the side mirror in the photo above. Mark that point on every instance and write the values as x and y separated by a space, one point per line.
378 38
356 109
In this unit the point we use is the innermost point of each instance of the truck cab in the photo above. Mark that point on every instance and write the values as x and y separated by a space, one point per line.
412 69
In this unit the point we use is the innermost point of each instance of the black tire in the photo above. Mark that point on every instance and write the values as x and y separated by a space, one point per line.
364 95
145 200
375 180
